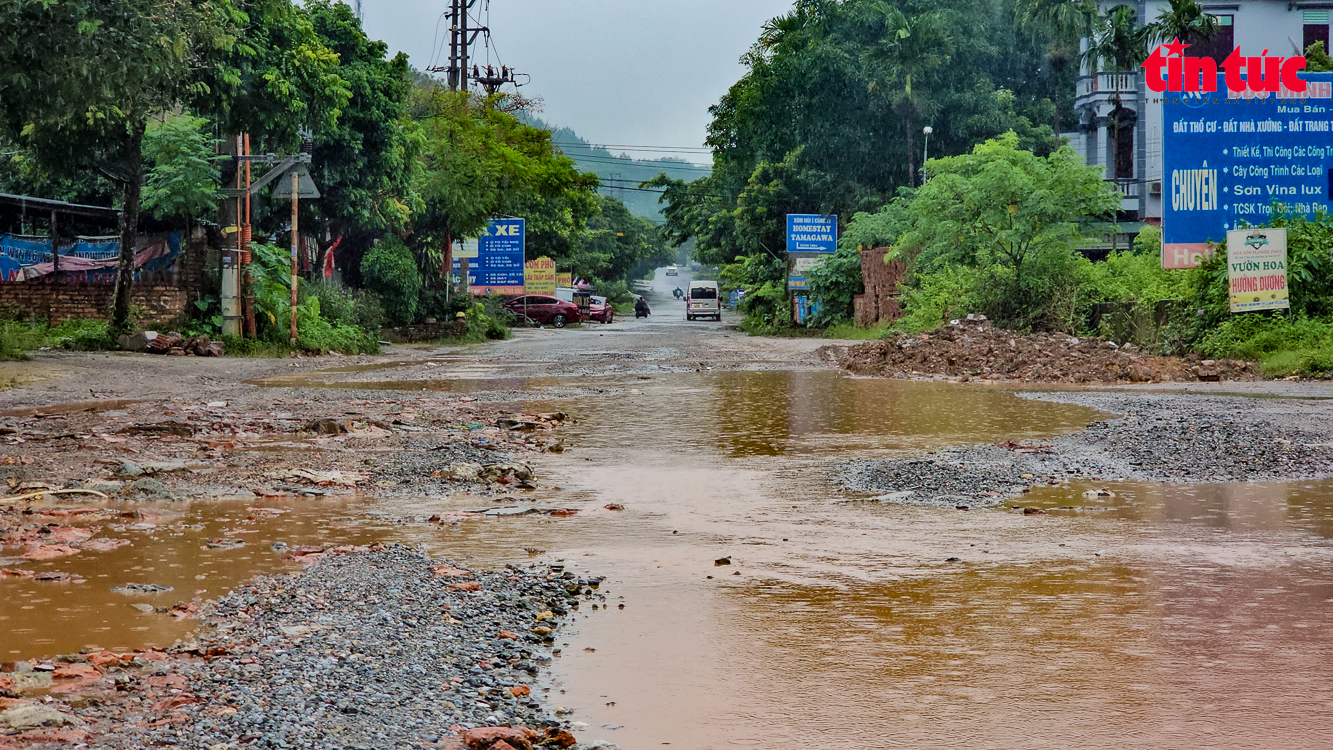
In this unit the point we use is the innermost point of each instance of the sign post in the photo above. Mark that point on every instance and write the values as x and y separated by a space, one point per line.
1228 156
1257 269
498 266
539 277
811 239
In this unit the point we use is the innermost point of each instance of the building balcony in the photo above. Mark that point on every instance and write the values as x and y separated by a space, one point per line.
1105 87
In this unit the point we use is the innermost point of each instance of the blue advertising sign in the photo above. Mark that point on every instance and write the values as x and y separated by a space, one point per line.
498 267
812 233
1227 157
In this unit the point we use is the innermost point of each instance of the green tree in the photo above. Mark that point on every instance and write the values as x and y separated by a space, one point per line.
1184 20
1317 59
911 47
478 162
275 81
365 162
390 271
182 178
1015 217
80 79
1065 24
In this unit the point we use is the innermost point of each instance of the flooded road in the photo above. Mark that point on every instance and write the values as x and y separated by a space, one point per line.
1150 615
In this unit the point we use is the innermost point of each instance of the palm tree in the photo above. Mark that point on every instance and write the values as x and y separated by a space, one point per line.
912 47
1184 20
1117 43
1067 23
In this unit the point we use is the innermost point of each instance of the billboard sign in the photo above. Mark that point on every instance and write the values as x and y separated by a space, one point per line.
1257 269
498 267
1229 155
539 277
812 233
564 280
798 274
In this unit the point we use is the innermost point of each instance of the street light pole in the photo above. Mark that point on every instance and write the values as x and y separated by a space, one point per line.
925 156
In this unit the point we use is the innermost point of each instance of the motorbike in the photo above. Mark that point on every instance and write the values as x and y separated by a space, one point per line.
641 309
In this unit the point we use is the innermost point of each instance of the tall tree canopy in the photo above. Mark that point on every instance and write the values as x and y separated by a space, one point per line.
79 80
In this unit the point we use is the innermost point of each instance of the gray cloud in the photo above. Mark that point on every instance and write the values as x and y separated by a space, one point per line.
640 72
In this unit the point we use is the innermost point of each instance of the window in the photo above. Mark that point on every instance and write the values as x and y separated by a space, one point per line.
1219 46
1315 29
703 292
1124 150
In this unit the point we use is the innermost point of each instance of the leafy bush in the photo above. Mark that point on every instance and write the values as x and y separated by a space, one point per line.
340 305
391 272
1015 218
315 333
1149 242
1256 335
835 284
937 297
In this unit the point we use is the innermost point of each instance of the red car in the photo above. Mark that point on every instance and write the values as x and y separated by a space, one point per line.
544 310
601 310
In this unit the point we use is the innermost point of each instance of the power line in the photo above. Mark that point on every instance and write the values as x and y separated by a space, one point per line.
636 163
664 149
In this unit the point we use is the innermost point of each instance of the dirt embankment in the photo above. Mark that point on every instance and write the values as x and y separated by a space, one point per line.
973 349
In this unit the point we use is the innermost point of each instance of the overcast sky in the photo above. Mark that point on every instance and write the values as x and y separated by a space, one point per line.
634 72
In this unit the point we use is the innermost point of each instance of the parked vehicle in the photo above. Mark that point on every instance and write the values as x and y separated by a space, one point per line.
703 301
601 310
544 310
672 271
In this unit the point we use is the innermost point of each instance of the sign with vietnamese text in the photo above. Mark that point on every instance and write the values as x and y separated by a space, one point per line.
539 277
564 280
798 272
812 233
1228 156
1257 269
498 267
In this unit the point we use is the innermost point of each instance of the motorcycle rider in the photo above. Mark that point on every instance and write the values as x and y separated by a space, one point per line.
641 308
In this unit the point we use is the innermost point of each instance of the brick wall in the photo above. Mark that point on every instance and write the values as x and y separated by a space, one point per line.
56 303
882 298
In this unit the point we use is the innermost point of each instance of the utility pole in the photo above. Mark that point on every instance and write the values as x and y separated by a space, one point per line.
296 193
459 73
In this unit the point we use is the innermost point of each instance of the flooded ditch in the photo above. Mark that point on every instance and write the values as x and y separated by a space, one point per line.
1147 615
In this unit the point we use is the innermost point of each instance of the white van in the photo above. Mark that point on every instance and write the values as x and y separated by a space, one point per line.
704 300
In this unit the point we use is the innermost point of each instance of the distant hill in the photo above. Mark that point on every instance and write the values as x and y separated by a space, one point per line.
620 173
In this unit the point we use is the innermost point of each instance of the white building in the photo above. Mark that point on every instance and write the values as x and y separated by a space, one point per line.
1282 27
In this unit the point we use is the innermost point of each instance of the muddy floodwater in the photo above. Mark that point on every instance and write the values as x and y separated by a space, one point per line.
1147 616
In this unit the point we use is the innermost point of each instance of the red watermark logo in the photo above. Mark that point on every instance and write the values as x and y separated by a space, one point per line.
1182 73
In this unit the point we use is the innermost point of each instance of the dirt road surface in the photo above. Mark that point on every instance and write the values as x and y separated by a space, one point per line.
784 556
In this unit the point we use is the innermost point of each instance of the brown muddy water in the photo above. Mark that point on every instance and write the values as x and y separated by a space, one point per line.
1160 616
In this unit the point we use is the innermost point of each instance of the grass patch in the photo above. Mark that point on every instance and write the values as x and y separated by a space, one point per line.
851 332
18 338
1310 363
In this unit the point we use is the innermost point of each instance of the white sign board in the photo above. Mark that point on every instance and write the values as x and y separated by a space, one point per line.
1257 269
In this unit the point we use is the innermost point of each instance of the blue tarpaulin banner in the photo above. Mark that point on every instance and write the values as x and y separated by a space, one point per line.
91 259
1229 156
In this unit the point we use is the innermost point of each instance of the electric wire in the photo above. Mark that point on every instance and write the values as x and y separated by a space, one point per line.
639 163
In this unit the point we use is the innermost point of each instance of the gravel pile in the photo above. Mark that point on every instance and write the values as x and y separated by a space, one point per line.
973 349
381 649
1158 437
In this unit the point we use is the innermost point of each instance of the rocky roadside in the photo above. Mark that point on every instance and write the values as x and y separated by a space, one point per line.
275 445
378 648
1155 437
